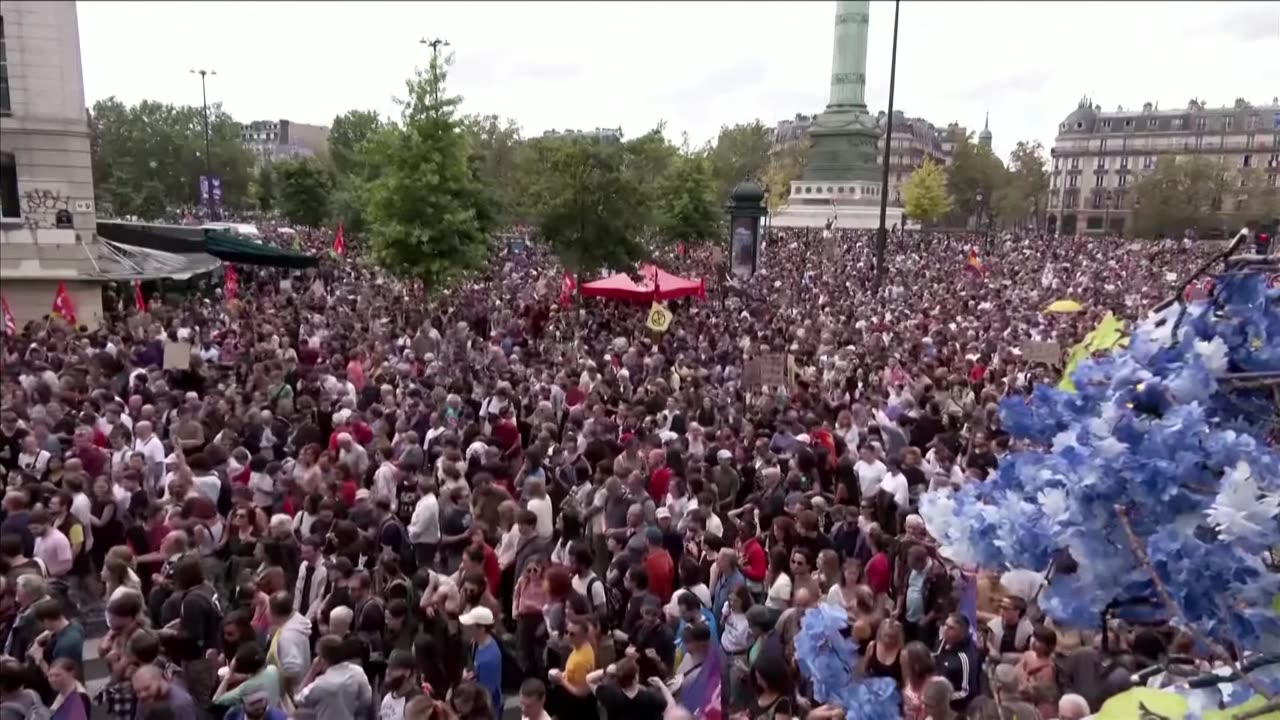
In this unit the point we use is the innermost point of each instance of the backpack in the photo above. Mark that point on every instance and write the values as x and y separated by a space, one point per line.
35 712
612 603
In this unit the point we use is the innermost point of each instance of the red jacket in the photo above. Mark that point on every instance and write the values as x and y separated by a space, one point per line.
753 561
659 483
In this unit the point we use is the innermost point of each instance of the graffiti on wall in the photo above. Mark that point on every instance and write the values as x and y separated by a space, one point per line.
45 209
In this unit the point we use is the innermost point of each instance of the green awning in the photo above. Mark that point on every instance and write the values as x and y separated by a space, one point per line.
230 248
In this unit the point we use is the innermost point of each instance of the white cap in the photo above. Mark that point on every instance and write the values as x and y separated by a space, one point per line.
723 454
478 615
803 438
662 512
362 494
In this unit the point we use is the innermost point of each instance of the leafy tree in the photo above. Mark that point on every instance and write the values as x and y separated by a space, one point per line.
306 189
230 160
428 216
264 190
347 135
924 193
786 163
739 151
687 210
973 169
649 160
584 203
1023 187
1251 198
1179 195
498 159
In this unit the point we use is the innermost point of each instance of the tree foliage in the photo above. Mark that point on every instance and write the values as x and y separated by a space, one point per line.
973 170
786 163
347 136
584 203
1198 193
739 151
924 193
648 161
1024 185
306 189
687 210
149 157
264 190
428 216
498 158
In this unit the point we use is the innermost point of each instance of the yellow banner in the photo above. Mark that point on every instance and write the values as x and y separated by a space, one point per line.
659 318
1108 335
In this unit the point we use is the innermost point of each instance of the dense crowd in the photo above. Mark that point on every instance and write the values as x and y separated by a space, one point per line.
366 501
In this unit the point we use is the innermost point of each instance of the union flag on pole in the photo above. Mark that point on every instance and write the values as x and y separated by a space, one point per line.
10 326
339 245
230 283
567 286
62 305
139 301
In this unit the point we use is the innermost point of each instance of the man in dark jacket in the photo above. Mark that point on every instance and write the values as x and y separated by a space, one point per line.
957 661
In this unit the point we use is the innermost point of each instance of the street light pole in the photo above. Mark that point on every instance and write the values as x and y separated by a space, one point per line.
882 234
435 45
1106 214
208 161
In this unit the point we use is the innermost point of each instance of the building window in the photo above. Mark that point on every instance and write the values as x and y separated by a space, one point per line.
1128 123
1097 201
1176 124
1102 145
1148 162
1124 163
1247 162
1227 122
1075 163
1251 122
1073 181
9 187
1274 161
1079 126
1123 180
1200 123
1106 124
1102 163
1099 180
5 106
1053 182
1093 222
1057 163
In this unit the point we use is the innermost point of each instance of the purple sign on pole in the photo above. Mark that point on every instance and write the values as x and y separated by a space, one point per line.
204 188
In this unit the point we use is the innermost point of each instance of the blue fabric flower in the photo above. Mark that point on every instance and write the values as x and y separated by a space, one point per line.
1159 431
830 662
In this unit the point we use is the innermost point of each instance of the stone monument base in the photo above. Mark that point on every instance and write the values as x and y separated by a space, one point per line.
849 217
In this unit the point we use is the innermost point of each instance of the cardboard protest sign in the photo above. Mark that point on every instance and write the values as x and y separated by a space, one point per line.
177 356
659 318
766 369
1049 353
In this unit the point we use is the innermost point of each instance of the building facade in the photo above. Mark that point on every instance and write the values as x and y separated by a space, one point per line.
270 140
47 219
1097 156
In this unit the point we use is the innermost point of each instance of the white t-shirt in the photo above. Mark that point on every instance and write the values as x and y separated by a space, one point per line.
542 508
151 448
869 476
392 707
580 585
896 485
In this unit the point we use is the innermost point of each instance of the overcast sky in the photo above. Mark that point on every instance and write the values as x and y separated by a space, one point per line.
695 65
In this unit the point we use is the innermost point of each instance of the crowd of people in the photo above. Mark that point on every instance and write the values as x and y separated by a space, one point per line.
361 502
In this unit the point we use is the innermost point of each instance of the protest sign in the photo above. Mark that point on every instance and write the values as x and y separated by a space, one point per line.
177 356
766 370
1049 353
659 318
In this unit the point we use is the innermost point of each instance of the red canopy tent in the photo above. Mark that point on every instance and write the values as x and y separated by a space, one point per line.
655 284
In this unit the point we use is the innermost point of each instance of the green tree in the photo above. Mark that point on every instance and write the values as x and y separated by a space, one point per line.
648 161
306 190
687 209
924 193
498 158
739 151
786 163
1177 196
347 135
973 170
427 215
585 203
1251 198
264 190
230 161
1022 189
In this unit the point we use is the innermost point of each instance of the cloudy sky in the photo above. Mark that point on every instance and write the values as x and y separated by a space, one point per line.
693 65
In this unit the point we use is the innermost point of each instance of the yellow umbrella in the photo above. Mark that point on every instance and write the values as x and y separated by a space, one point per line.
1064 306
1143 703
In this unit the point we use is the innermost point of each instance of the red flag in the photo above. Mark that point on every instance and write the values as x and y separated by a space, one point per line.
10 326
139 301
339 245
567 286
973 264
230 283
62 304
680 249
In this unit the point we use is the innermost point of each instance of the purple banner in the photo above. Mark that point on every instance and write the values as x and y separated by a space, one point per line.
204 189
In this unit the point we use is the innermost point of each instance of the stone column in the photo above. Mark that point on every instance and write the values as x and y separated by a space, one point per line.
849 55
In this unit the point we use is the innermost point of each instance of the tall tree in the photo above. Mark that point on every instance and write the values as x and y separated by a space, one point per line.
347 135
739 151
1022 189
1178 196
786 163
497 157
687 211
428 216
973 169
306 189
924 193
648 160
584 203
264 190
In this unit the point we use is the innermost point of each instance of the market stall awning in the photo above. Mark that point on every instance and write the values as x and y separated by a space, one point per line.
185 240
655 284
617 287
670 287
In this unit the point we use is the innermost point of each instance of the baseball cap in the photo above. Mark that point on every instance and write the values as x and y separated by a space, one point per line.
478 615
662 512
724 455
362 494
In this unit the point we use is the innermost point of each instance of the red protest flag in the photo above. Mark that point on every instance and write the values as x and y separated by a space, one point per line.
339 245
567 286
62 305
139 301
10 325
230 283
973 264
